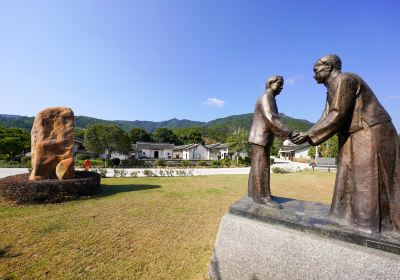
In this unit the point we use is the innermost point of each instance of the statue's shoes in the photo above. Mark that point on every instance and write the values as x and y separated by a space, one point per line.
271 203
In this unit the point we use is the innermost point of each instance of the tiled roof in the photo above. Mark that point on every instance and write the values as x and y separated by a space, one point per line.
152 145
78 140
185 147
216 146
292 148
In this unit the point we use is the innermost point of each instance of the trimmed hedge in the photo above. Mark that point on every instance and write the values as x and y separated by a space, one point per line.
82 156
115 161
21 190
14 164
95 162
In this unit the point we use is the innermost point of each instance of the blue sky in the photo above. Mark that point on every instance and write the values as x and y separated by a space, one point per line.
199 60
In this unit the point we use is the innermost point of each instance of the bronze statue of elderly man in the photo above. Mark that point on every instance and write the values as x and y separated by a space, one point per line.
367 188
266 124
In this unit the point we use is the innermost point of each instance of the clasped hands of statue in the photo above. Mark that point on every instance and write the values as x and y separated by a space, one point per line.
298 137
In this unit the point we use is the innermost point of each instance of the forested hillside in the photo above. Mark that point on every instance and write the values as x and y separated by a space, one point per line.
217 130
15 121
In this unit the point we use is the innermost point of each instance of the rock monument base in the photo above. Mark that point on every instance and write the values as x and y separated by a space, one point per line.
298 242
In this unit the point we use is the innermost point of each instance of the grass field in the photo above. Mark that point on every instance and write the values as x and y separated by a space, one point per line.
139 228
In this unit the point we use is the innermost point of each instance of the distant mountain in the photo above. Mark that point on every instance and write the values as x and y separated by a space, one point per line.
245 121
216 129
83 122
152 126
16 121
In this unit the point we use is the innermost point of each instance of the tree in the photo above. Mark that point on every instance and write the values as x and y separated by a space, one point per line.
106 139
311 152
14 141
165 135
125 145
276 147
79 133
139 135
330 148
238 142
189 135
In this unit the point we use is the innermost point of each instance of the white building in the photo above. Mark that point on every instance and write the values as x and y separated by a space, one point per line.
78 145
217 151
191 151
150 150
291 151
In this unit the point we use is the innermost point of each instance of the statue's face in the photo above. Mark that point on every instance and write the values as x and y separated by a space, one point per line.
276 86
321 72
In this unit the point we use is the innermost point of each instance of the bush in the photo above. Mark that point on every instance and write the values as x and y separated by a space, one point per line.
202 163
226 162
17 158
170 172
148 173
82 156
184 172
120 173
159 162
185 163
20 189
125 163
101 171
134 174
115 161
280 170
26 160
14 164
215 163
95 162
245 161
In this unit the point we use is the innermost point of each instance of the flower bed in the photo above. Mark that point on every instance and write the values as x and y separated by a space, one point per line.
20 189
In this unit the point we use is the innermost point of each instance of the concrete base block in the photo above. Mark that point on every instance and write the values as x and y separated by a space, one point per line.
250 249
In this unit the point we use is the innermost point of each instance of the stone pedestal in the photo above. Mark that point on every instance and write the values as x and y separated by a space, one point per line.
297 242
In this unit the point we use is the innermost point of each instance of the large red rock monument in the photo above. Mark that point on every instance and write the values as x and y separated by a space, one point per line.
52 144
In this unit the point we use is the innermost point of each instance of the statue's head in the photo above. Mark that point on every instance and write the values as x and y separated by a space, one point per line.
274 84
325 66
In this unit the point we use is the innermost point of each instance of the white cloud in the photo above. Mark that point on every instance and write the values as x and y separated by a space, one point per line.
215 102
293 80
393 97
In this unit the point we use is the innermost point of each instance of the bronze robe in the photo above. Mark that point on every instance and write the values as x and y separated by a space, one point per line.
367 188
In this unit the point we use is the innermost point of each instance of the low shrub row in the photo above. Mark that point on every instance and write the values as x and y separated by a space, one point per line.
123 173
95 162
280 170
160 163
15 164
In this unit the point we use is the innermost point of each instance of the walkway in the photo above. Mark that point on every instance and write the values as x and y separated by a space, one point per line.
294 166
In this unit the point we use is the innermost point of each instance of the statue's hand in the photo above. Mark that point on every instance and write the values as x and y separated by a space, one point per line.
300 138
294 134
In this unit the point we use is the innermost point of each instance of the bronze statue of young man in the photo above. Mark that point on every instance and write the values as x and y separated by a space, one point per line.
367 187
266 124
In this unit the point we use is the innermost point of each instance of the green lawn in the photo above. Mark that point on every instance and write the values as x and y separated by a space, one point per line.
139 228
